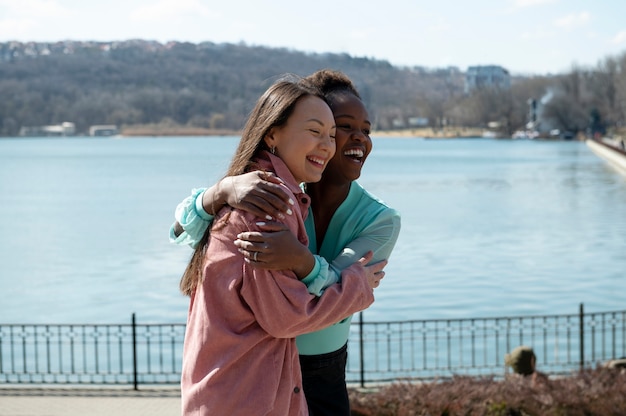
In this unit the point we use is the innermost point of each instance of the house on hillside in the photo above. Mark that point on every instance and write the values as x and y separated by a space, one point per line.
486 76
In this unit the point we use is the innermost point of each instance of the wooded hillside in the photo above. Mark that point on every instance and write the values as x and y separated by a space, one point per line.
214 86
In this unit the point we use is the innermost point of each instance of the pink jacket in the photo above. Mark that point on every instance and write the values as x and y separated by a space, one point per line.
240 355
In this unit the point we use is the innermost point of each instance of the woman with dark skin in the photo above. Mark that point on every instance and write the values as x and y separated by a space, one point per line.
344 223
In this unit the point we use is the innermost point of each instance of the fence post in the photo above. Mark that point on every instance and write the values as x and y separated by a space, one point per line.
581 318
135 381
361 349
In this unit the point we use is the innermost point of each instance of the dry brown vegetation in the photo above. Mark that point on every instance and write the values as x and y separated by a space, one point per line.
161 129
432 133
599 392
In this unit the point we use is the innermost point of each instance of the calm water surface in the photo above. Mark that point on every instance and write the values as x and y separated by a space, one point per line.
490 228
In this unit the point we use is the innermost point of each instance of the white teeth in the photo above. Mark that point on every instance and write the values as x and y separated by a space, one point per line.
354 152
316 160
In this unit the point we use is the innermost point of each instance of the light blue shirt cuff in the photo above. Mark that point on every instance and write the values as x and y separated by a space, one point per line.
200 208
194 221
319 278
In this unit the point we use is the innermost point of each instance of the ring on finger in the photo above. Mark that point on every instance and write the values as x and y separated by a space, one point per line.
255 255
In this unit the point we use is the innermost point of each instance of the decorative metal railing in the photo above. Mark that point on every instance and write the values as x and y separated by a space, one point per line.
150 354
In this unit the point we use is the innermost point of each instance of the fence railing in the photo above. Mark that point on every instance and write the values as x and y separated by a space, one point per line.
150 354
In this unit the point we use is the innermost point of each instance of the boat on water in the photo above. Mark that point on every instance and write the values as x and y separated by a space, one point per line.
525 135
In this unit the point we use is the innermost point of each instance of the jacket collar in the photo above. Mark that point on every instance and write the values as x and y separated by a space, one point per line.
268 161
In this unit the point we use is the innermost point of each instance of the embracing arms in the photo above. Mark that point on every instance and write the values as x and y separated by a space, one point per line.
259 193
275 247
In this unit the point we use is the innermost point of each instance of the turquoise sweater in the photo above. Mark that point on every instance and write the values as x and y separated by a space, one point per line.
361 223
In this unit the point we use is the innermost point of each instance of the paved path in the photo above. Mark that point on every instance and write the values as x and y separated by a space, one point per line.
89 402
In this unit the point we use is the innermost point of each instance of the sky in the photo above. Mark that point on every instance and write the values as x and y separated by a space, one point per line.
524 36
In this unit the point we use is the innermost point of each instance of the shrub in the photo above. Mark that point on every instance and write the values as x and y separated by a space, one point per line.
599 392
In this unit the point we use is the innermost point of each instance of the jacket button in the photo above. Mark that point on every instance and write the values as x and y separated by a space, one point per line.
296 390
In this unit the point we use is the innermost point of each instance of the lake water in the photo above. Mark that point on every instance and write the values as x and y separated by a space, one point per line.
490 228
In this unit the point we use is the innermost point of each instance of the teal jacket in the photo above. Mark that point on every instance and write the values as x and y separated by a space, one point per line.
361 223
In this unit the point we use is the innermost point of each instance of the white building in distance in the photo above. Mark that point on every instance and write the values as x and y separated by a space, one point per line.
486 76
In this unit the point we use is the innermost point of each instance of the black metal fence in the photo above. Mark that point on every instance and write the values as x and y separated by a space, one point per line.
150 354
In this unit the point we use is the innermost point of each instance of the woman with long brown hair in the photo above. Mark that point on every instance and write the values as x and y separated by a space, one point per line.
344 222
240 355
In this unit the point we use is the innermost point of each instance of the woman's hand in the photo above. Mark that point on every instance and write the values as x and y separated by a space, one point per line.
260 193
373 272
275 248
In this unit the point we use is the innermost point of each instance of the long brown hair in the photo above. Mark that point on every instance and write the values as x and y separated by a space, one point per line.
272 109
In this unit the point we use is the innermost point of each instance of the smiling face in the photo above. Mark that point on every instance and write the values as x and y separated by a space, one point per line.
307 141
353 138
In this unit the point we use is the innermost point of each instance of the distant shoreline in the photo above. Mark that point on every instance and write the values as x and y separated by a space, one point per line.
432 133
429 133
